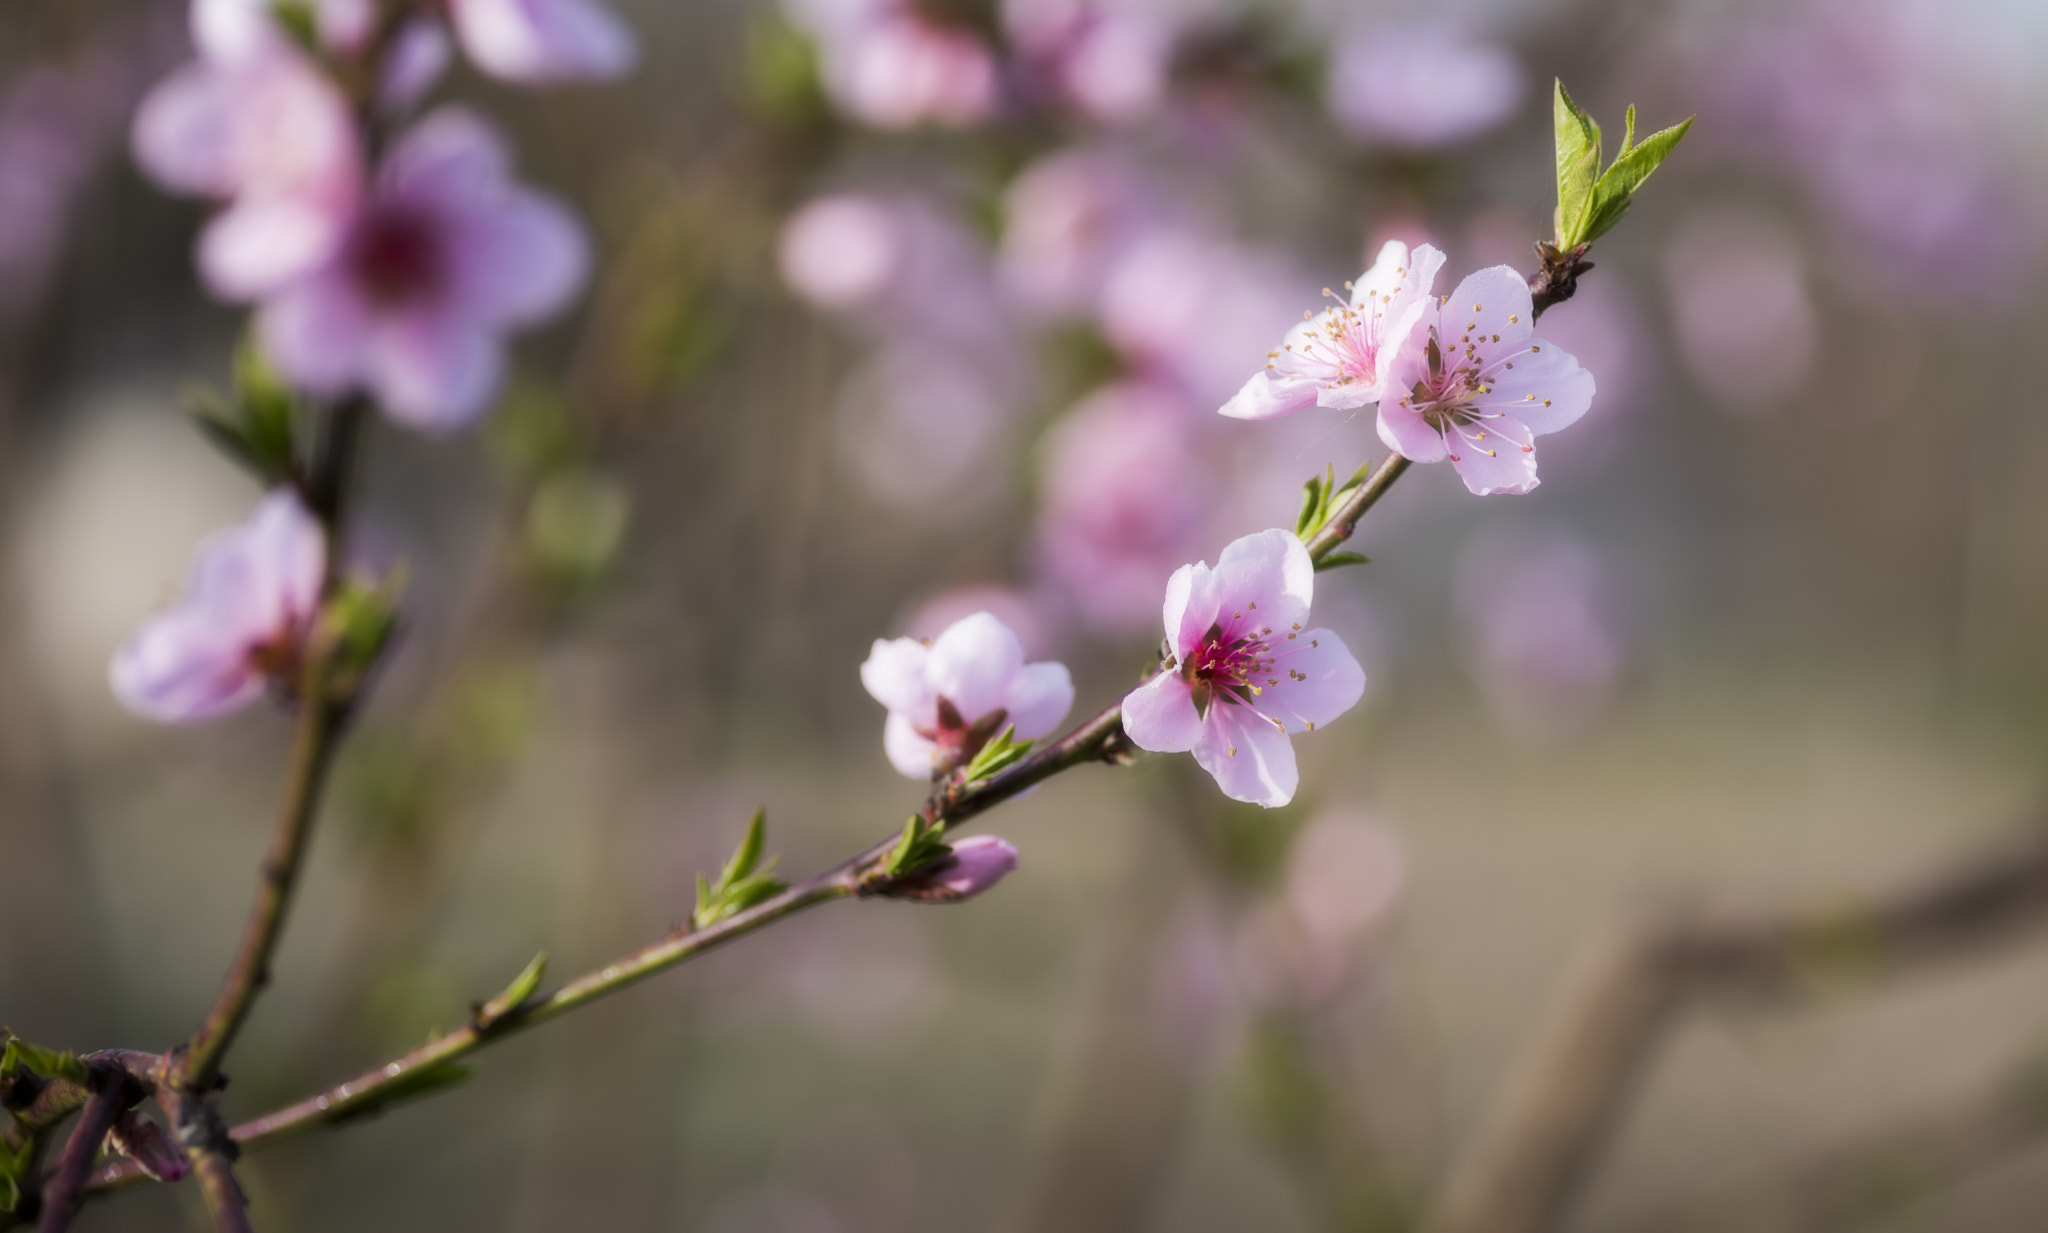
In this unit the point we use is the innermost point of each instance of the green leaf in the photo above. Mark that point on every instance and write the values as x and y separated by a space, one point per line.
49 1063
1578 165
743 883
1338 560
997 755
516 993
1310 518
1617 187
923 842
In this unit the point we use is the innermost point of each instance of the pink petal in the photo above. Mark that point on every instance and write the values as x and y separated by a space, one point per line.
1268 396
1492 301
183 133
451 160
1160 715
259 245
1493 456
178 669
519 261
1251 759
316 333
894 675
433 371
908 752
253 582
1190 607
1038 698
1316 679
542 41
1265 579
1546 389
973 663
1407 433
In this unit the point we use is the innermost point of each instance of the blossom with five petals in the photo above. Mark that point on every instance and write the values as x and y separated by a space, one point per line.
1338 358
255 590
948 698
445 256
1244 674
1473 385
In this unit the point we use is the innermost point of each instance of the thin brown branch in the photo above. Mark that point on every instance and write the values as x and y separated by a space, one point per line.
65 1190
1523 1165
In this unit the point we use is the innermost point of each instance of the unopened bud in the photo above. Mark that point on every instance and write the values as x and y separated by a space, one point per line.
975 864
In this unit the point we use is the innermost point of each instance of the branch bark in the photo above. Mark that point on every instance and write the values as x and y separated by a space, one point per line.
1523 1165
66 1187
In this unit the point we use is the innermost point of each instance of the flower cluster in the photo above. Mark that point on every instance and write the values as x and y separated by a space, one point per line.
396 277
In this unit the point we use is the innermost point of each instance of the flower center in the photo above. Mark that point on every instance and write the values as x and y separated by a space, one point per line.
1226 668
397 257
1444 396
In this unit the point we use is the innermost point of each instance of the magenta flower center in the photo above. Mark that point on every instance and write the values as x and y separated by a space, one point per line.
1228 667
397 257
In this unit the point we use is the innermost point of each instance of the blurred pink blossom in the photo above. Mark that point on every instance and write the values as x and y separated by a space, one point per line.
921 426
445 256
888 65
1184 306
1421 85
1745 324
255 590
537 42
1108 59
259 126
948 697
55 123
1340 357
1121 498
1069 217
1543 640
1243 672
975 865
1475 386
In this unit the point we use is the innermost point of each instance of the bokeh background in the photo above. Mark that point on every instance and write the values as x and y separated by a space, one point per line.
874 347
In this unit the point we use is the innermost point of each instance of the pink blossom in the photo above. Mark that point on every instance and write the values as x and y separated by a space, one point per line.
1070 217
1121 502
1340 357
948 697
1109 59
1243 672
1544 641
1421 85
889 66
1474 385
538 42
976 863
264 130
445 256
1745 322
1185 306
255 589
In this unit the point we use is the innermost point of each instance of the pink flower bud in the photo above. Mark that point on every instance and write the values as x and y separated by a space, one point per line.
977 863
148 1145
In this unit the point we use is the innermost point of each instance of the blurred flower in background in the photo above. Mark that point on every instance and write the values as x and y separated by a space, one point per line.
1541 634
890 65
1745 322
1420 85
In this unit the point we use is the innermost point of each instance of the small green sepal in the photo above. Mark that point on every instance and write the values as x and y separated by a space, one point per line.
999 754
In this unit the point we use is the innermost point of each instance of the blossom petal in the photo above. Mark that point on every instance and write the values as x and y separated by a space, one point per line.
183 134
1494 455
1251 758
434 371
1160 715
316 333
260 245
452 160
177 668
520 261
908 752
542 41
1265 579
973 662
1488 302
1190 607
1546 389
1268 396
894 674
1407 433
1318 680
1038 698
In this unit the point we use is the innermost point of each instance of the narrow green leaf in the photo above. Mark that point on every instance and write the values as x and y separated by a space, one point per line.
1578 165
521 988
10 1191
749 891
748 854
1617 188
1628 133
1311 506
49 1063
1338 560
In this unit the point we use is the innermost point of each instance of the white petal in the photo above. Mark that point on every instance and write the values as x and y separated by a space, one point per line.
1266 579
1039 697
973 662
1160 715
908 752
894 674
1252 760
1315 679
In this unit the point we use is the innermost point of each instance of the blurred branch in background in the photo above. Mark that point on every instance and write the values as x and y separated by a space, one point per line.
1540 1140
